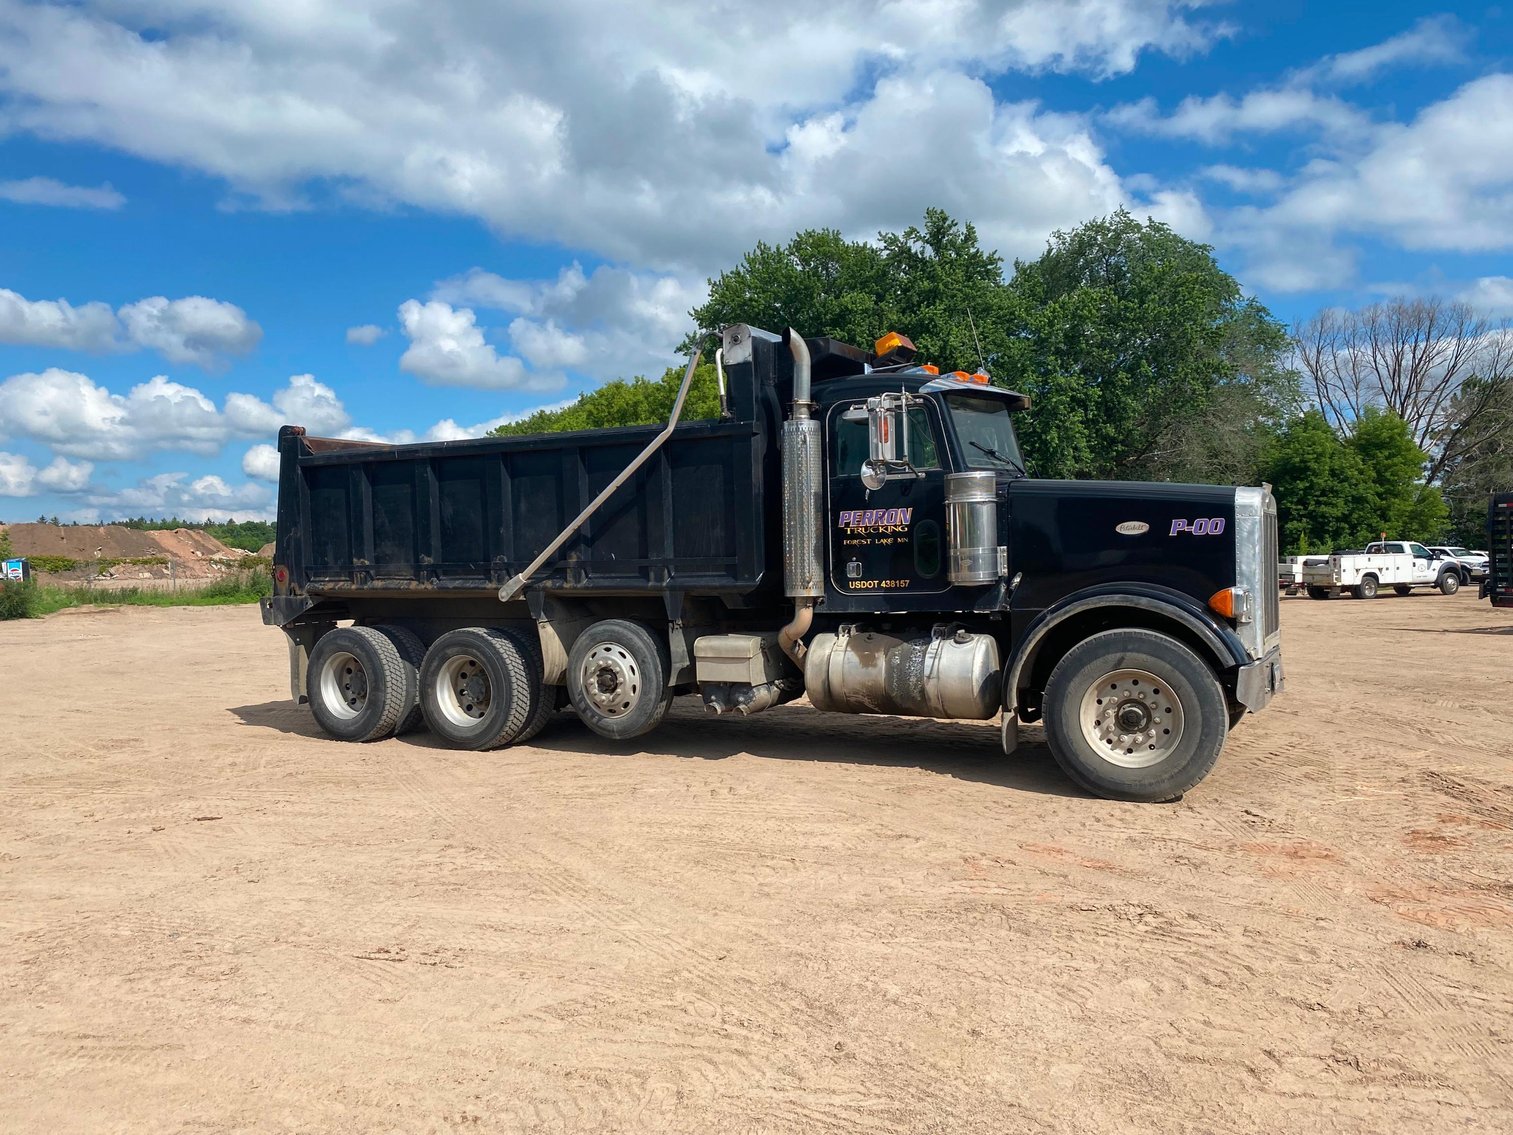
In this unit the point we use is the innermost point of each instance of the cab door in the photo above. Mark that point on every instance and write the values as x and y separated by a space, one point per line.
1424 568
889 540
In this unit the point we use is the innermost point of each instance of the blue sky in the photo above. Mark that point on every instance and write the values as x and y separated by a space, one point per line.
407 219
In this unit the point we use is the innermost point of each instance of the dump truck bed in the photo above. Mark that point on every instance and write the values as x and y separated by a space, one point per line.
467 515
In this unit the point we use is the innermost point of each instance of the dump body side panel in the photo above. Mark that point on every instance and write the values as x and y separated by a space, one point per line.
465 516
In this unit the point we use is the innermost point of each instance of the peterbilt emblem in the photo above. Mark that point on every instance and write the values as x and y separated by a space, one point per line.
1132 528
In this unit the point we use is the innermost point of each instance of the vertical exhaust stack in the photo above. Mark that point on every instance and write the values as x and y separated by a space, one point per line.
803 532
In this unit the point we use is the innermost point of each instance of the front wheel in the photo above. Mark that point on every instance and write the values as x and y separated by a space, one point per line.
1449 583
617 679
1135 715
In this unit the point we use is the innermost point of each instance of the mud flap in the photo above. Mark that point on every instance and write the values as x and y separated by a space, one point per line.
1009 733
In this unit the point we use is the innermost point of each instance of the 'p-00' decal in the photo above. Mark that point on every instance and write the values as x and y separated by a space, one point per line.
1203 526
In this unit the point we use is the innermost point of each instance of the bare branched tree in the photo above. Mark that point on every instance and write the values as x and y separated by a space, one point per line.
1410 356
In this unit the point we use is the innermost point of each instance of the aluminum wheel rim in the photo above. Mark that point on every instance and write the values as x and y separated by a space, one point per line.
1131 718
462 691
611 679
344 685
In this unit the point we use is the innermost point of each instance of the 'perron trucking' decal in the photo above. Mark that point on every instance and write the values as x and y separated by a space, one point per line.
877 519
1203 526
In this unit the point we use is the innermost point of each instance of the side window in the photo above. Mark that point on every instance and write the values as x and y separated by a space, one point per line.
924 450
850 448
850 443
1420 551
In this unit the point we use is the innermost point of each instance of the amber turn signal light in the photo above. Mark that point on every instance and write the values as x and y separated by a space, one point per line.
891 342
1232 603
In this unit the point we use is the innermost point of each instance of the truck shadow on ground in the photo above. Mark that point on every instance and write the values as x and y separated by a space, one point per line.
961 750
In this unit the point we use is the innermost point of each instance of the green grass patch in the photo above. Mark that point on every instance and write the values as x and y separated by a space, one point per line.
32 600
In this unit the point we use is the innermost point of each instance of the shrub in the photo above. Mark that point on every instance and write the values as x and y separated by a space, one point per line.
52 564
18 600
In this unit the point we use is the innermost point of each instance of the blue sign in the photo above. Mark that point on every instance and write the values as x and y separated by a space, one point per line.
18 570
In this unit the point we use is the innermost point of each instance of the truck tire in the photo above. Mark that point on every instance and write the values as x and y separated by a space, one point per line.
547 697
1367 588
1449 582
1315 592
1135 715
360 685
617 679
478 687
1402 588
413 651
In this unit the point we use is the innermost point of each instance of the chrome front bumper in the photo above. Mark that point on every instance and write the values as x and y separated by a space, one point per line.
1260 681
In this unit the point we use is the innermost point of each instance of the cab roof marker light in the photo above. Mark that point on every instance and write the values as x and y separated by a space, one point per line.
894 342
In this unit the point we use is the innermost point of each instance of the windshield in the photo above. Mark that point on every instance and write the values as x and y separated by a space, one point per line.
987 435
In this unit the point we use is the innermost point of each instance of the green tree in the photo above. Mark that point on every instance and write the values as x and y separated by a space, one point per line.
1479 457
1402 505
639 402
1322 487
819 283
1144 357
931 282
6 551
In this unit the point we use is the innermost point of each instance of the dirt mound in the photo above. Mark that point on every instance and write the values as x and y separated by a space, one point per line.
181 553
266 551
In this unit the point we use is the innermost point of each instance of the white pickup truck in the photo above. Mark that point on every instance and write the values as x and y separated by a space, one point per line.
1399 564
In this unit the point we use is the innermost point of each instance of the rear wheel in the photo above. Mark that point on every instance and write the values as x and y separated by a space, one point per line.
360 685
413 651
617 679
1135 715
1449 583
1317 592
1402 589
480 687
1367 588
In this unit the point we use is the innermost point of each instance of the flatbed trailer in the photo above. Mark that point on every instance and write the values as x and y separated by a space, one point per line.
1498 586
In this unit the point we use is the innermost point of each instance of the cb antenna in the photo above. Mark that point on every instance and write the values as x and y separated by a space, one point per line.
982 364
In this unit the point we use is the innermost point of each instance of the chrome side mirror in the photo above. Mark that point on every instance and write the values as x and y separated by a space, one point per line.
887 438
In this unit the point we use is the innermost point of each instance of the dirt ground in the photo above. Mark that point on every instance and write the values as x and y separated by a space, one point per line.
215 920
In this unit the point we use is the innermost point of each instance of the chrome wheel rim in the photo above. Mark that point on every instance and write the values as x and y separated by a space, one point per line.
1131 718
343 685
611 679
462 691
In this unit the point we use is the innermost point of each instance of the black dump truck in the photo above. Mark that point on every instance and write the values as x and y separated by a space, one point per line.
1499 582
855 528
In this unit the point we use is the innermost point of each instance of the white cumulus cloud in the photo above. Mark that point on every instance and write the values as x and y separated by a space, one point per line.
57 323
47 191
261 463
77 417
447 348
20 478
365 335
208 497
673 135
194 329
